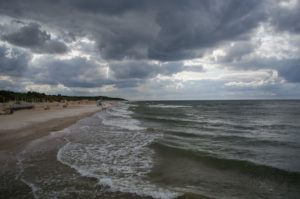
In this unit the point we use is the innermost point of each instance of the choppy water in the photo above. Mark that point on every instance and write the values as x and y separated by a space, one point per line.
169 149
226 149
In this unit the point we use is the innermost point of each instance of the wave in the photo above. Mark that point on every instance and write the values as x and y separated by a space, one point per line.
120 118
242 166
121 161
210 125
170 119
120 111
167 106
243 139
120 168
34 188
129 124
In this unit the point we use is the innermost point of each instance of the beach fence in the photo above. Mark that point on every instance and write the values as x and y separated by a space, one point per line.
9 109
16 107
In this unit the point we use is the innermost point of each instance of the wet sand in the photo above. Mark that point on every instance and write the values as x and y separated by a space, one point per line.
26 125
16 133
24 162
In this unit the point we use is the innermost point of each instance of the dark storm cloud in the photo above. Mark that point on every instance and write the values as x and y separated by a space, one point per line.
291 71
127 83
236 52
241 56
182 30
82 73
31 36
140 39
190 25
28 36
195 68
11 85
287 18
124 42
133 69
13 62
108 7
138 29
76 72
144 69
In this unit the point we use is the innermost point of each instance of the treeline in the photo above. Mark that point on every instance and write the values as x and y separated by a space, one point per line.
31 96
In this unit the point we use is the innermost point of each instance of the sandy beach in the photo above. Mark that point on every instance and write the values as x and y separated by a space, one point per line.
17 130
25 125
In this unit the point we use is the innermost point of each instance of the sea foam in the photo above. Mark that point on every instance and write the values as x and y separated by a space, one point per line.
122 160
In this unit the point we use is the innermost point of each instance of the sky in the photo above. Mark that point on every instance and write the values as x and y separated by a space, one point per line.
152 49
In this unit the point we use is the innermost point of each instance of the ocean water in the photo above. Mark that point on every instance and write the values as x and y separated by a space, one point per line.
169 149
225 149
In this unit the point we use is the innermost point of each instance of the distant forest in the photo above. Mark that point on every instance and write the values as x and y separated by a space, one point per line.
31 96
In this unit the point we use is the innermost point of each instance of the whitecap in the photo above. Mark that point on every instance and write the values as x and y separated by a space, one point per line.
121 161
167 106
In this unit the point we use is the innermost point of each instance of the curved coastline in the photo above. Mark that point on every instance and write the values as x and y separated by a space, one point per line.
26 125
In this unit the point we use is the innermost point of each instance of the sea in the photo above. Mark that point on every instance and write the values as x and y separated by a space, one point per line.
229 149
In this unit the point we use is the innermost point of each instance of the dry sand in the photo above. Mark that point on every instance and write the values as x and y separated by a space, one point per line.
25 125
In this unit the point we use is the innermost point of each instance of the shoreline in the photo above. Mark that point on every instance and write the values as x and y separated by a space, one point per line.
20 167
27 125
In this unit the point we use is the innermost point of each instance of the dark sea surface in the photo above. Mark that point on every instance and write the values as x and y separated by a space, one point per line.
167 149
225 149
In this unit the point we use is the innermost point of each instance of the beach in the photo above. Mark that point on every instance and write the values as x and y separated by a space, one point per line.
25 125
153 149
30 149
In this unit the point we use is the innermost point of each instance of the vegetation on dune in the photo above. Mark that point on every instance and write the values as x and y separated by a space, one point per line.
31 96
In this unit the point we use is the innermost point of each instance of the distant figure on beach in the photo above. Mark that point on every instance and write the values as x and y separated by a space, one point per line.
99 103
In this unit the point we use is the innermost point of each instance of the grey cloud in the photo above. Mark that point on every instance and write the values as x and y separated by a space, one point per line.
123 43
138 29
128 83
107 7
131 34
237 52
28 36
286 18
13 62
32 37
170 68
191 25
13 85
195 68
144 69
176 30
54 46
172 30
291 71
76 72
133 69
241 56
